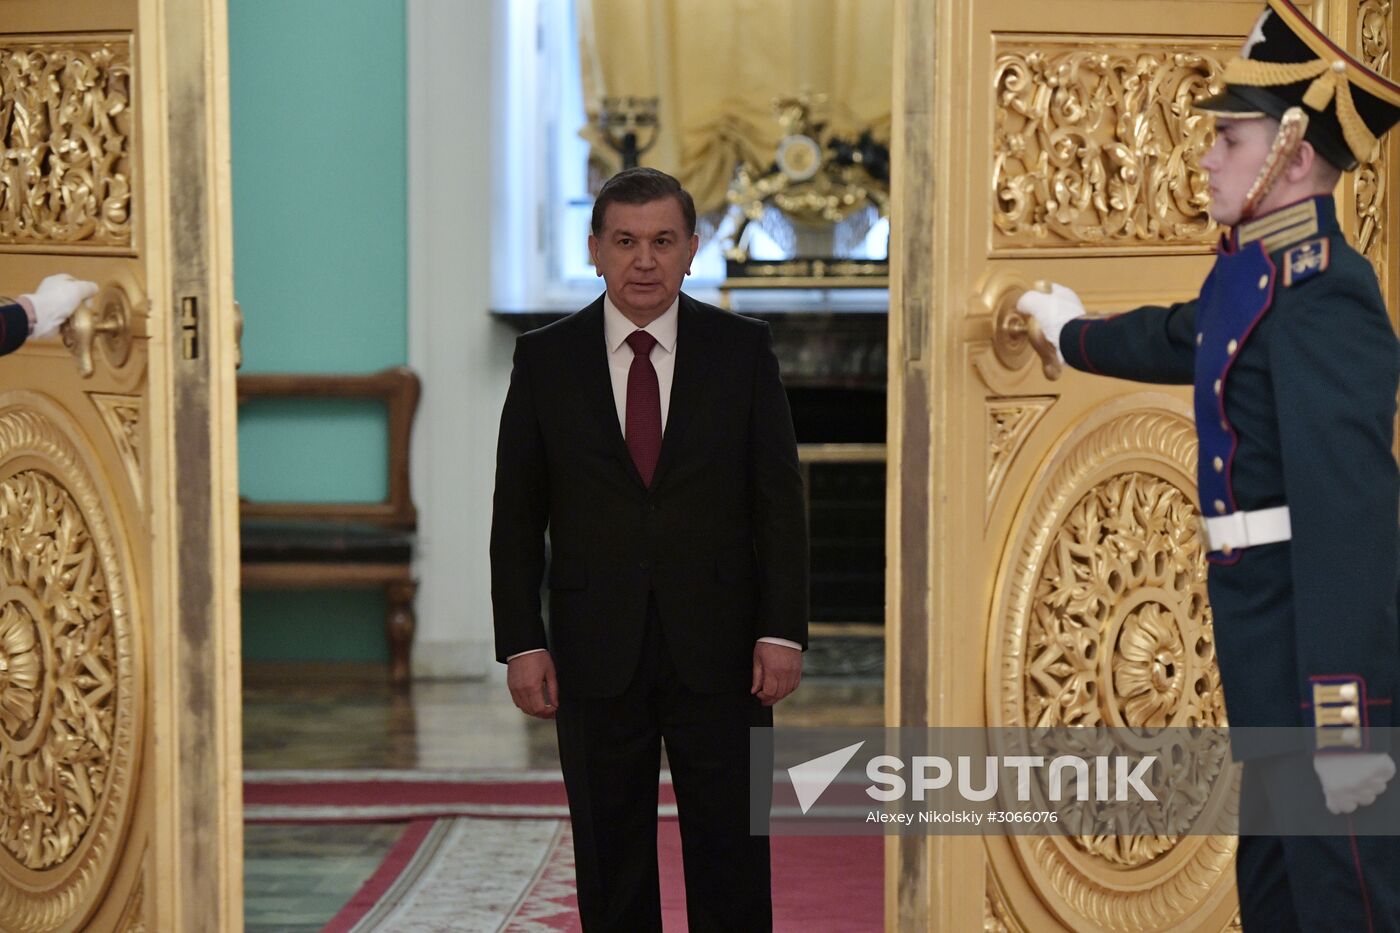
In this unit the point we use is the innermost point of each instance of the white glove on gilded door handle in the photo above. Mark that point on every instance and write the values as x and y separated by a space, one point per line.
55 300
1051 310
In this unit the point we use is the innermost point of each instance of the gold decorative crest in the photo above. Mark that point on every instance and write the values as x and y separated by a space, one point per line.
1100 147
1105 623
1119 629
68 682
65 143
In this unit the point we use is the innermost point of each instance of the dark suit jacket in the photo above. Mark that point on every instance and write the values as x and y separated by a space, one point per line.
720 539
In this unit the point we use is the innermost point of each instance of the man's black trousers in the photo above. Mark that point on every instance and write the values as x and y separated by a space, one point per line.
610 751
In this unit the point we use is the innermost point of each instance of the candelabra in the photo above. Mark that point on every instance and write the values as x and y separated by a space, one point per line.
629 126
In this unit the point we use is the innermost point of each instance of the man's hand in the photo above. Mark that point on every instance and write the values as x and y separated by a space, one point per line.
776 671
1052 311
55 300
532 684
1351 781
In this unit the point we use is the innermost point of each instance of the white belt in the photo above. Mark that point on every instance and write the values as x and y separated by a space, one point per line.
1237 530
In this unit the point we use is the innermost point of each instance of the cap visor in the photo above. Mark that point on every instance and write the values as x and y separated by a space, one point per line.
1231 105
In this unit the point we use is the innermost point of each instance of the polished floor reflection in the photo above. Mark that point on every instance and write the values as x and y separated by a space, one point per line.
347 717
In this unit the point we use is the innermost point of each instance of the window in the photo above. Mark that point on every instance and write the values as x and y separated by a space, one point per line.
541 260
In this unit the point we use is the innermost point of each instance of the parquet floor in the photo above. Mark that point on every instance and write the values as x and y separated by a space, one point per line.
346 716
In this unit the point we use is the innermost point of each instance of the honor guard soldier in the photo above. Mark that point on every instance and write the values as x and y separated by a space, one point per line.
1295 367
41 313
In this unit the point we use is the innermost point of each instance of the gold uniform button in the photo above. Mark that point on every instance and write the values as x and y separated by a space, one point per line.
1199 339
1224 425
1226 550
1350 715
1219 465
1234 345
1263 282
1219 507
1217 387
1348 692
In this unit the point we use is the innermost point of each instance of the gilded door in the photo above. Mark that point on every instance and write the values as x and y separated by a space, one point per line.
119 762
1053 140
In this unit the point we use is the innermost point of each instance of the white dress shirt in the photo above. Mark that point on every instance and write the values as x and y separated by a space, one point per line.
616 329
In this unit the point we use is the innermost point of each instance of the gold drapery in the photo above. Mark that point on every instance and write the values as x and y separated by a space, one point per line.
716 67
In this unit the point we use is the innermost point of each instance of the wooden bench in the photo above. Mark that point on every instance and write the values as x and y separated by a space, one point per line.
298 545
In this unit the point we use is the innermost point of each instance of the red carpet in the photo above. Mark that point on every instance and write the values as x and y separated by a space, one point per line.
497 854
394 796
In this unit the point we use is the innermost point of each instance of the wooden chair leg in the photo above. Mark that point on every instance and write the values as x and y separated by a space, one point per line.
399 626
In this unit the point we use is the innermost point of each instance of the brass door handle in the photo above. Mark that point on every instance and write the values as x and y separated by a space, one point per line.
1016 336
103 320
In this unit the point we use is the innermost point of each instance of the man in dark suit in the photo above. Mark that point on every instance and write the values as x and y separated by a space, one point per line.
650 435
42 312
1295 367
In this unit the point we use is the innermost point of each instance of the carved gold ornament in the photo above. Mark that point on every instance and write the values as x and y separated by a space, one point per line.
1103 621
1009 423
133 917
996 917
1100 147
68 693
65 148
1119 630
1373 24
122 416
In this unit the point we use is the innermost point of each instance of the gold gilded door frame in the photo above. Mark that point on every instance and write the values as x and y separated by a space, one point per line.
993 469
120 764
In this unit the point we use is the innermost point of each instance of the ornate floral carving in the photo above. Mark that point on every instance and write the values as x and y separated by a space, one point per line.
1373 25
20 669
68 689
50 789
1009 423
122 415
1373 28
1101 147
1119 600
1105 622
65 142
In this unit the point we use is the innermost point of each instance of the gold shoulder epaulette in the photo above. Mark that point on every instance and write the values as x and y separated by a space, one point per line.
1306 260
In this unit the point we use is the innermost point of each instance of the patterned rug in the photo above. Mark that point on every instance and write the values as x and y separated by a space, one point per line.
394 796
493 852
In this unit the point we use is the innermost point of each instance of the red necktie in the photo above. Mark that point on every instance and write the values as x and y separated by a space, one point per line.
643 406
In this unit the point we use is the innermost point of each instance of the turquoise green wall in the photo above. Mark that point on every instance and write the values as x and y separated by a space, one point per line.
319 123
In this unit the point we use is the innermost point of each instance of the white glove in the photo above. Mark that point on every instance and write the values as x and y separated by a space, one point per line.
1351 781
55 300
1051 311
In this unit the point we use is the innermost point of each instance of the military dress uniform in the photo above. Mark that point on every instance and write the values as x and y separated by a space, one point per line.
1295 367
14 326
